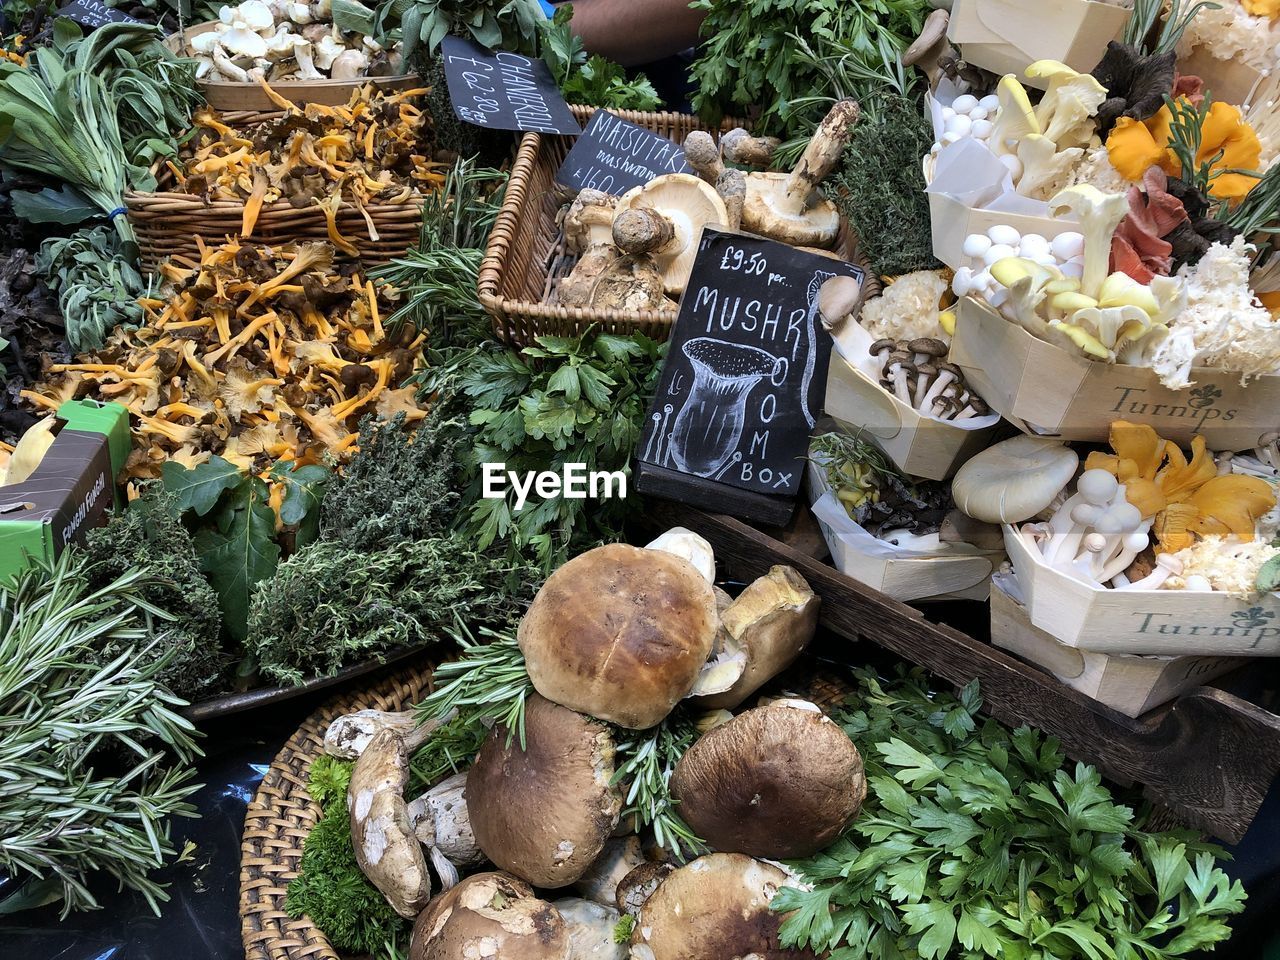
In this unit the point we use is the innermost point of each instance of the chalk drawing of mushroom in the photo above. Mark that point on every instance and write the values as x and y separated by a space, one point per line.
709 425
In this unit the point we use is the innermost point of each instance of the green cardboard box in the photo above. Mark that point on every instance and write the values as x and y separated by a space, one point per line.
70 491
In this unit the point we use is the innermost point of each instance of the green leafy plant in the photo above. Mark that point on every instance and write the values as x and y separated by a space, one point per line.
772 54
645 762
423 24
234 526
97 287
330 887
486 684
1147 13
96 760
436 280
592 80
975 842
567 400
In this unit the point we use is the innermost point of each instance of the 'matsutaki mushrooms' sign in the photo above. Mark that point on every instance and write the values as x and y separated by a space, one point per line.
744 378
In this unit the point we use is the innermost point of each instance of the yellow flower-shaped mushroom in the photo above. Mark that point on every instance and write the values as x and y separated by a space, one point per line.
1262 8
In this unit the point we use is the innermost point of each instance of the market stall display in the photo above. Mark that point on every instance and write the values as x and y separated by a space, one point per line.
324 351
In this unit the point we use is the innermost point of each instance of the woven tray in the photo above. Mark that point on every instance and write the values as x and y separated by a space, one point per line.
282 814
167 224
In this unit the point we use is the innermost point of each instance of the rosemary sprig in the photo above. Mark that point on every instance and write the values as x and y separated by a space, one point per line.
1259 211
487 684
834 449
1146 13
646 760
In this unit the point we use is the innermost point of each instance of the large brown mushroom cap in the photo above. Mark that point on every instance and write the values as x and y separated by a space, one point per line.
490 915
620 633
545 812
779 781
715 907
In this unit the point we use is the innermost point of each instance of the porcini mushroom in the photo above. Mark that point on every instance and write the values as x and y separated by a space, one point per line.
620 633
545 811
590 926
386 848
348 736
741 147
1014 480
638 885
785 206
442 823
715 907
682 542
772 620
490 915
837 299
779 781
619 857
688 204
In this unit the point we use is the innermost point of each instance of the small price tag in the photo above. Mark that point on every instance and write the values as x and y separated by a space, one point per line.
94 13
503 90
746 370
613 156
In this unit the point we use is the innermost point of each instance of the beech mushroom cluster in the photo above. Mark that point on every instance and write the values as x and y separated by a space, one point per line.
256 354
918 374
282 40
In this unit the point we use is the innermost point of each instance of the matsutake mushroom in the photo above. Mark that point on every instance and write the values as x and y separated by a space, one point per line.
738 146
779 781
786 206
686 204
620 633
771 621
589 220
715 907
545 810
490 916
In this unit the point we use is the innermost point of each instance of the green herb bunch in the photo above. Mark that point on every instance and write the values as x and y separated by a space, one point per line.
592 80
150 536
97 287
879 186
772 54
93 759
423 24
976 842
437 279
567 400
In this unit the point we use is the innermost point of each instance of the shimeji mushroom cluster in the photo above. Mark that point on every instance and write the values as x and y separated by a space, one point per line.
279 40
1143 518
614 640
635 252
917 373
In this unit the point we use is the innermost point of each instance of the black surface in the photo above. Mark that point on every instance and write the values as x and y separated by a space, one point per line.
502 90
94 13
747 366
614 155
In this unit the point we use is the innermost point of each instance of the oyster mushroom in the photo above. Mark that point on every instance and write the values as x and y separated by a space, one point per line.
715 907
545 811
490 915
785 206
620 633
779 781
1014 480
771 621
688 204
930 47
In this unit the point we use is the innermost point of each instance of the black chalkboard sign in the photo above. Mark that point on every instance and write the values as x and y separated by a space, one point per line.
744 379
613 156
503 90
94 14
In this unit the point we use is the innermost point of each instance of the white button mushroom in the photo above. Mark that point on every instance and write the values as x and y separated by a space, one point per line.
964 103
998 252
981 129
1004 234
975 245
1067 246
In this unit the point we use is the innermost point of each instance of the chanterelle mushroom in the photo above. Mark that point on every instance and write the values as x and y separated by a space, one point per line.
620 633
772 621
785 206
689 204
544 812
779 781
490 916
715 907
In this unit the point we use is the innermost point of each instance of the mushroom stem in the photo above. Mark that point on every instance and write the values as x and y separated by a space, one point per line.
820 157
947 375
740 147
899 364
732 187
930 47
349 735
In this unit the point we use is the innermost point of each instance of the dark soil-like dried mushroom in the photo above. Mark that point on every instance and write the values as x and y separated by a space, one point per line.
620 633
779 781
772 621
715 907
490 916
786 206
545 812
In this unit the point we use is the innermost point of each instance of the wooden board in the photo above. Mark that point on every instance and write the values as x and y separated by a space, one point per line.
1210 756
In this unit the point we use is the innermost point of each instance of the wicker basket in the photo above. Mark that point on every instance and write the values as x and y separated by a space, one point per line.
527 255
282 814
167 224
228 95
